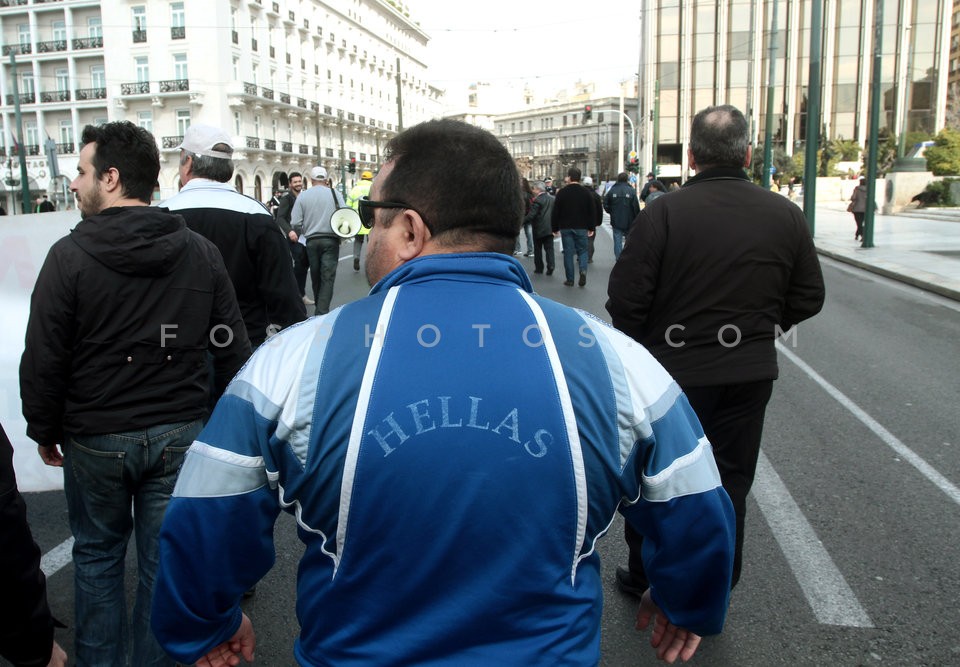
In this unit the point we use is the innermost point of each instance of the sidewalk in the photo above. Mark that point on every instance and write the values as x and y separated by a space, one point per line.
920 251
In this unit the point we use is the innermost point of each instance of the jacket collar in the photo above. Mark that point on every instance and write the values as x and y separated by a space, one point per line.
718 173
478 267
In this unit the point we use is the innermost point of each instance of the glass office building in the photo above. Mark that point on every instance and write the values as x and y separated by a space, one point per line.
696 53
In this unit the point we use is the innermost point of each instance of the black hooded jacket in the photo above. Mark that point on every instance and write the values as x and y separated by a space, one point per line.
124 312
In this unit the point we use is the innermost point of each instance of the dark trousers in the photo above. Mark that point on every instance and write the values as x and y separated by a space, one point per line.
543 246
732 419
324 254
300 265
858 218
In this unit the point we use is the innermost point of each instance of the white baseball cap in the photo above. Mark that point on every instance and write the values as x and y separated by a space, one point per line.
200 140
318 174
587 180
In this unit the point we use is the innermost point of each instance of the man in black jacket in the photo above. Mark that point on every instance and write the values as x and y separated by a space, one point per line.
711 276
541 210
256 254
123 315
623 206
26 625
575 217
301 265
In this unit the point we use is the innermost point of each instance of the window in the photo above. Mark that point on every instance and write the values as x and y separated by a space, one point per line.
177 15
143 69
236 68
31 134
27 86
274 129
23 34
180 67
97 77
63 79
59 31
256 126
145 120
237 124
66 132
94 27
139 18
183 121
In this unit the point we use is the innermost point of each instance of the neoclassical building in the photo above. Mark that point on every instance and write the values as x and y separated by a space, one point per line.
295 82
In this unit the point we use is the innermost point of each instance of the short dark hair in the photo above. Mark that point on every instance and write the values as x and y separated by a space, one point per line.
294 173
622 177
434 160
720 137
574 174
129 149
218 169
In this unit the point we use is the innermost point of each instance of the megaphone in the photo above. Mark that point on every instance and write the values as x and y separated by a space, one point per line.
345 222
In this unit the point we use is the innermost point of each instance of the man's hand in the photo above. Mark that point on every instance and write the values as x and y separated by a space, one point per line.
58 657
292 235
228 653
51 455
669 640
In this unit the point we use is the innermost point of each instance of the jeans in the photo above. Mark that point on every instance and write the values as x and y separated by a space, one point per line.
618 236
102 475
574 241
324 255
300 265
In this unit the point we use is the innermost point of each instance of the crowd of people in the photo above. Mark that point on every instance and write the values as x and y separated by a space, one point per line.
453 445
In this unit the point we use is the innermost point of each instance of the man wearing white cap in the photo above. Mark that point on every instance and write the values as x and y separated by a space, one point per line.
311 218
253 247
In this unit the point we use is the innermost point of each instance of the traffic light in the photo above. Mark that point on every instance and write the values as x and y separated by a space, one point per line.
634 165
353 165
587 112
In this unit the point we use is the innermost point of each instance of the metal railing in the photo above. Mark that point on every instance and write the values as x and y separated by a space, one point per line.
25 98
55 96
266 92
16 49
135 88
174 85
91 93
171 142
253 142
52 46
178 32
270 144
287 147
88 43
249 88
139 36
66 148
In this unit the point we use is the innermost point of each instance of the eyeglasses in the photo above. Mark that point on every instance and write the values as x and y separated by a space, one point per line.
365 207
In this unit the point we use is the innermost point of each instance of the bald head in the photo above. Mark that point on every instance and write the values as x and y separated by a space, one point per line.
719 137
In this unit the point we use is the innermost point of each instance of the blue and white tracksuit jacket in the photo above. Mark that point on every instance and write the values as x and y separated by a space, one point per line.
452 447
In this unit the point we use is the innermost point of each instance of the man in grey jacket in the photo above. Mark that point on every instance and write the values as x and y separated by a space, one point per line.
311 218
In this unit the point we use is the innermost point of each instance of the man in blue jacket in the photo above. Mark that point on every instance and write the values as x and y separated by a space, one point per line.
452 473
623 206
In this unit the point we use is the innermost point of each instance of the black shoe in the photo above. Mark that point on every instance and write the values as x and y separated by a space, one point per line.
583 279
549 272
356 263
568 283
538 270
627 584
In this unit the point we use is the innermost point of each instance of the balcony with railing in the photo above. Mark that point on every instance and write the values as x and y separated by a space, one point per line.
135 88
304 149
91 94
66 149
139 36
12 3
235 36
88 43
249 88
24 98
253 44
174 85
285 98
55 96
52 46
266 92
171 142
253 142
302 103
287 147
17 49
178 32
270 144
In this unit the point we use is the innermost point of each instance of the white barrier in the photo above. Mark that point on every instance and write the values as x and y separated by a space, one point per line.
24 242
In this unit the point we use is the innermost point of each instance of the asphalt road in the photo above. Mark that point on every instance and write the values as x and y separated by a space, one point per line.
852 554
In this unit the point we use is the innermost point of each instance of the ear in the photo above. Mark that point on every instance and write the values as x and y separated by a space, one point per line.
691 163
414 235
746 164
110 180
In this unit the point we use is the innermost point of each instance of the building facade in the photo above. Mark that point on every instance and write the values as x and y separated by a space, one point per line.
295 82
697 53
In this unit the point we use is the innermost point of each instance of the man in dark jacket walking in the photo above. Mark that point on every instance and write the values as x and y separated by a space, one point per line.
123 315
711 276
623 206
301 265
541 210
575 217
254 251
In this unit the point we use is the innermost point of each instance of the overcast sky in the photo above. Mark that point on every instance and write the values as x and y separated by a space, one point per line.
515 40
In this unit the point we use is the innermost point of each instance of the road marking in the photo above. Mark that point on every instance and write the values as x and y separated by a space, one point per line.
889 438
56 558
828 594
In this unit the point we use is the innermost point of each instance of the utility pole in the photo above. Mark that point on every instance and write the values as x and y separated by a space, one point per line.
22 152
656 124
874 129
343 156
399 99
813 118
768 123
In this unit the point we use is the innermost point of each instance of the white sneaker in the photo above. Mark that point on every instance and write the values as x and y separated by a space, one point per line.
307 301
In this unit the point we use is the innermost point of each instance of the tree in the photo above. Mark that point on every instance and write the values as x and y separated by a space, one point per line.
785 165
943 158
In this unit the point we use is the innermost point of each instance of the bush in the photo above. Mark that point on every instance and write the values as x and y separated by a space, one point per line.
943 158
937 193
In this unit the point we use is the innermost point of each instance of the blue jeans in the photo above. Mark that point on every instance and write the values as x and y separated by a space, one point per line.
618 236
574 241
323 253
102 475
